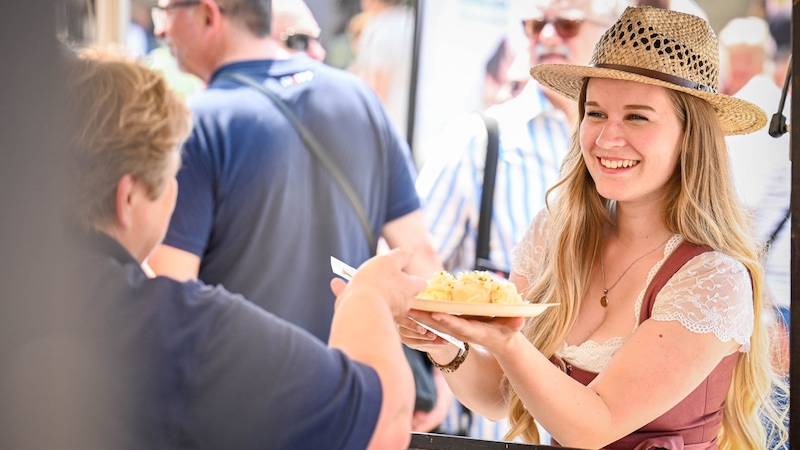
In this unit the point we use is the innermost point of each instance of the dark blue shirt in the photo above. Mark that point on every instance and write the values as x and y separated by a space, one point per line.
256 207
186 365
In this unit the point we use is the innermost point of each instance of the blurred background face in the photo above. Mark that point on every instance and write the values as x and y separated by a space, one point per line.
747 49
741 64
294 25
173 22
564 31
496 75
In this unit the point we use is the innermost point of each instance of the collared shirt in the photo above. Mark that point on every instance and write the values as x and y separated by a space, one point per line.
262 214
533 139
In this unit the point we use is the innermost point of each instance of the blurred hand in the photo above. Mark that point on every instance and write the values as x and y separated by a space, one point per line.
382 277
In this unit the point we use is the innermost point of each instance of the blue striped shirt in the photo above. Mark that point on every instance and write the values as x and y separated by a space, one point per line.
533 139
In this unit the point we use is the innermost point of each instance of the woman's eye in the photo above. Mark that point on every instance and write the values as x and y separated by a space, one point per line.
594 114
637 117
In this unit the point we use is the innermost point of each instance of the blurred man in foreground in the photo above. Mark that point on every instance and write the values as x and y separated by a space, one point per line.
180 364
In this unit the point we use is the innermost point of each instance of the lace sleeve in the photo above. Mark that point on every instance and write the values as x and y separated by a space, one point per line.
712 293
527 256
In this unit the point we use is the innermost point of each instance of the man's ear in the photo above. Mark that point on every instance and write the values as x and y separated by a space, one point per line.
125 200
211 13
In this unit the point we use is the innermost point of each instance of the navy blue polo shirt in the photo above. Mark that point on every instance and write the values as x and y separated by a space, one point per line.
187 365
253 203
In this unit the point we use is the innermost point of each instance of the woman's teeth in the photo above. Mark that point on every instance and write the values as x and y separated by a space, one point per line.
618 163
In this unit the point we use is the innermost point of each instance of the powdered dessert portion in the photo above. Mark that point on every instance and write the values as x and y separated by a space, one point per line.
471 287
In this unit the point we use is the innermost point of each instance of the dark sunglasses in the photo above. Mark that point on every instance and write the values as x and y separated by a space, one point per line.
566 28
297 41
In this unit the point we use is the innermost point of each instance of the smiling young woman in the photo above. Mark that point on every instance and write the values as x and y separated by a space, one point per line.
646 202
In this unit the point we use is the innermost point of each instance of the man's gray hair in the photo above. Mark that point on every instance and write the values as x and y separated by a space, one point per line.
607 11
604 11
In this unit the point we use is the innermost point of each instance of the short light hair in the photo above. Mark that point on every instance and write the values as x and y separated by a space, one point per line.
126 120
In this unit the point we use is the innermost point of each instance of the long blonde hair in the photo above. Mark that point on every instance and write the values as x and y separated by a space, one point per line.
701 205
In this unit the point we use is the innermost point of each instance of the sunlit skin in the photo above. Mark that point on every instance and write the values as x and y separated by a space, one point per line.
141 218
158 211
186 31
630 137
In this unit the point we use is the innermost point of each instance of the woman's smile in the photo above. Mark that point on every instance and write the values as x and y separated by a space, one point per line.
617 163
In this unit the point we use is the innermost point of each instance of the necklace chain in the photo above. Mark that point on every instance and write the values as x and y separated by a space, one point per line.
604 298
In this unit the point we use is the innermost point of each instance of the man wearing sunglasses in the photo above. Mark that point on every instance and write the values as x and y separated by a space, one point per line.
533 133
294 25
565 32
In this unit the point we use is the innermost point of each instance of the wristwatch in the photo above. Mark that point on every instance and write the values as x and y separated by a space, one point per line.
455 363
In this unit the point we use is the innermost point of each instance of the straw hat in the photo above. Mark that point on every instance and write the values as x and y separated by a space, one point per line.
662 48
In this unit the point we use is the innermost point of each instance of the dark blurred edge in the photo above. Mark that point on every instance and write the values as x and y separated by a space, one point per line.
794 370
432 441
31 249
418 8
31 245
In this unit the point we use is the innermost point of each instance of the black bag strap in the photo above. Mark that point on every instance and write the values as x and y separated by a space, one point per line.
482 261
316 149
777 230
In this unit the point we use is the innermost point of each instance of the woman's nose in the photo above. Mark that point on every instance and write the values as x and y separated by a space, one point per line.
610 135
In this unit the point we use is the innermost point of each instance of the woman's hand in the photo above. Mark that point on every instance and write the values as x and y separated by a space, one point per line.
492 333
415 335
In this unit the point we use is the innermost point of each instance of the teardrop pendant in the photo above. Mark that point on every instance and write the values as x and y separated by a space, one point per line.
604 298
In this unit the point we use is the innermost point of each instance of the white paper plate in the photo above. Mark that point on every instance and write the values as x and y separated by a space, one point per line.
481 309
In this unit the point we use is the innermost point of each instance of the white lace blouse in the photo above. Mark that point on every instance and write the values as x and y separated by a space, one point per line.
712 293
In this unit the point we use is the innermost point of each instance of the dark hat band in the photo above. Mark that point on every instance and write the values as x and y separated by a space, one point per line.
683 82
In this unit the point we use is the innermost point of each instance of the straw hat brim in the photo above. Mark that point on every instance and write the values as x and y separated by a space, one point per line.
736 116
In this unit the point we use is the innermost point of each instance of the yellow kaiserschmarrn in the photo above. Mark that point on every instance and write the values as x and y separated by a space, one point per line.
471 287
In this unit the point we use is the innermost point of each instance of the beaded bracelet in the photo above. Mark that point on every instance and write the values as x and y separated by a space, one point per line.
455 363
